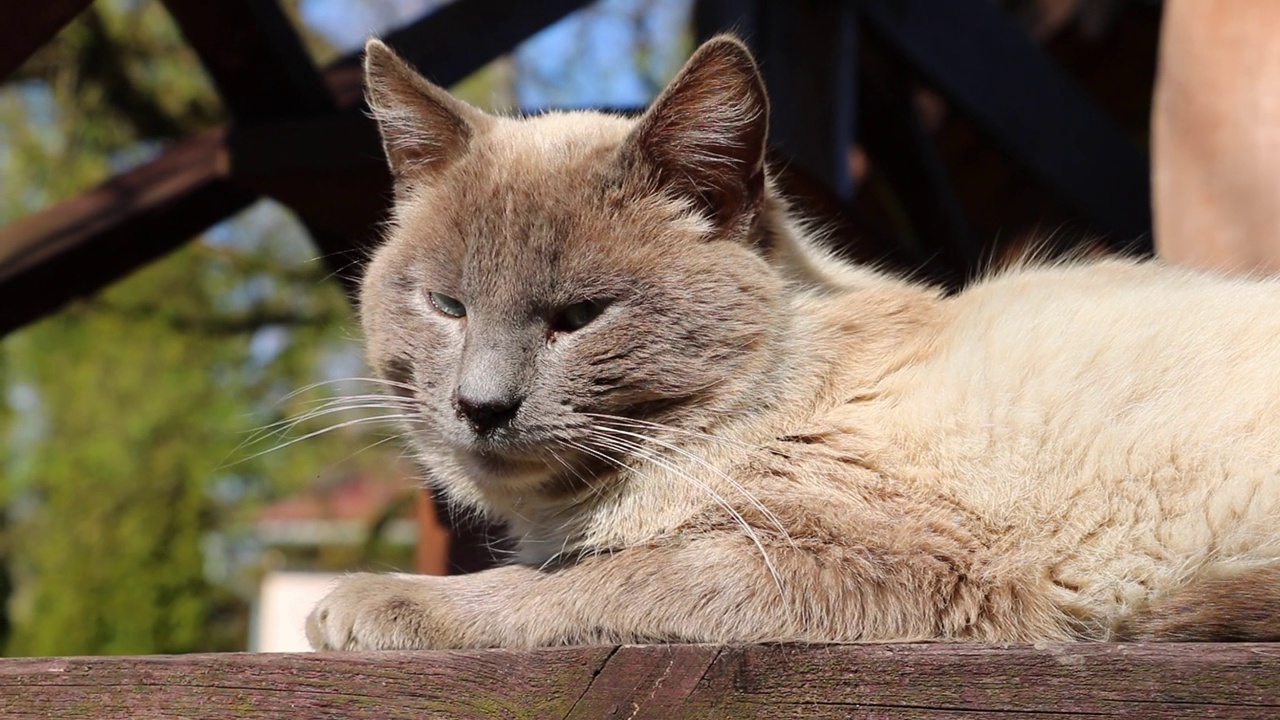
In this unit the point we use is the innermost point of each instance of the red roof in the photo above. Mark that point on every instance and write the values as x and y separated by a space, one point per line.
361 497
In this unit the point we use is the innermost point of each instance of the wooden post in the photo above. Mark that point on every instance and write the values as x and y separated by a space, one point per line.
431 556
1216 135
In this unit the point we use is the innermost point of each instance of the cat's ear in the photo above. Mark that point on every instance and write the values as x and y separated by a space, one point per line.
423 127
705 134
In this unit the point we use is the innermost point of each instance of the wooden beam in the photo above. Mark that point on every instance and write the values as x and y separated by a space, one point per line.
663 681
812 92
255 57
80 245
992 72
712 17
903 154
328 169
26 26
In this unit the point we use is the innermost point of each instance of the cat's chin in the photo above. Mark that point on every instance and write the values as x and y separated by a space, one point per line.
500 470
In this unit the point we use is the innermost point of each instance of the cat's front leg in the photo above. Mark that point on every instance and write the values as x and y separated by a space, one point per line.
707 591
713 587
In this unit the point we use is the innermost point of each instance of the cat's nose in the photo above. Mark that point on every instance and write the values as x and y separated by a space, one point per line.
486 414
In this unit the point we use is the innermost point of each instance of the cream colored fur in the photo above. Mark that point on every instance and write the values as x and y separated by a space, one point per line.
1060 452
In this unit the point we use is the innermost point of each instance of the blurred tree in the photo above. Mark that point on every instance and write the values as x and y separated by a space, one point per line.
122 414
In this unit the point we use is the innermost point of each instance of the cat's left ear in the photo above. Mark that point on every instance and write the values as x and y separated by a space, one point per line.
705 135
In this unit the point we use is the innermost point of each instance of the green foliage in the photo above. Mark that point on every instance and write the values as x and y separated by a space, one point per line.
120 439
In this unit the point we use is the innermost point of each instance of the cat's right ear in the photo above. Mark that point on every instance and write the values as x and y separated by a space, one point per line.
704 136
423 127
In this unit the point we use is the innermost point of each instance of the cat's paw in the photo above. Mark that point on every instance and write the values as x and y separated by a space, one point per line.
384 612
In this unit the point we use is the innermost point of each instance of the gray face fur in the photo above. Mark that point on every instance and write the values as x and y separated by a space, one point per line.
650 222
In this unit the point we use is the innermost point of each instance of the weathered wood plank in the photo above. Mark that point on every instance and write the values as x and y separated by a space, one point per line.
1132 681
663 681
484 684
654 679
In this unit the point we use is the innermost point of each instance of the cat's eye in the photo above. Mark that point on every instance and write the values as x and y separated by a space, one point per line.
578 315
447 305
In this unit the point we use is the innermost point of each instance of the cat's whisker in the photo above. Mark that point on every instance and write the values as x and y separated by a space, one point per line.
281 428
630 447
751 498
336 405
596 491
334 381
719 500
727 442
322 404
352 398
370 446
359 397
564 546
331 428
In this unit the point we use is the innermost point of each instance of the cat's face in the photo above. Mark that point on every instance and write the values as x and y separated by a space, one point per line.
542 273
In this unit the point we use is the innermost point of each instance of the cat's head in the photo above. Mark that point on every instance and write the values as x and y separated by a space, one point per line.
540 272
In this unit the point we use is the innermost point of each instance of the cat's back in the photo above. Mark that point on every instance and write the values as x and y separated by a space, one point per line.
1042 361
1118 423
1138 342
1097 362
1108 396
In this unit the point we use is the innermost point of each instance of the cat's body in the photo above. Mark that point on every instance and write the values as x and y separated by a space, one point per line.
748 440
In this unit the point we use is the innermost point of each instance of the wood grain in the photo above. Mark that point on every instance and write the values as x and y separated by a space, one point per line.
79 245
477 684
663 681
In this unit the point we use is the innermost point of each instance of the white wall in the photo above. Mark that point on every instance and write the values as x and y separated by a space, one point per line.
284 600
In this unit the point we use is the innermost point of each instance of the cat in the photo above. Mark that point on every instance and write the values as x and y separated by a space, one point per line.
615 337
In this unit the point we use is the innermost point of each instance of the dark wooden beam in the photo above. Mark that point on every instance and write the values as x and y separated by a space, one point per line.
903 156
254 56
26 26
78 246
807 52
992 72
663 681
712 17
328 169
